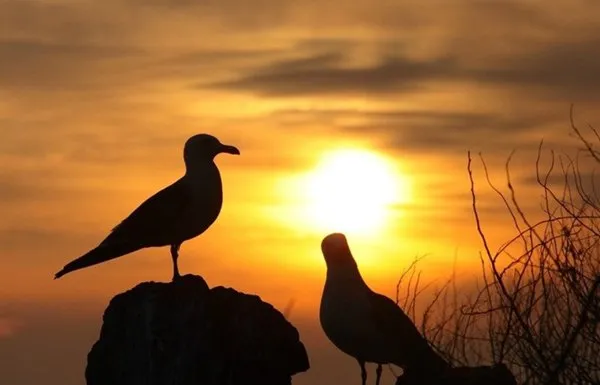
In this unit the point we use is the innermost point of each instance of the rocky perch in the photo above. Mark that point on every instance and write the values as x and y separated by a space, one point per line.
479 375
183 333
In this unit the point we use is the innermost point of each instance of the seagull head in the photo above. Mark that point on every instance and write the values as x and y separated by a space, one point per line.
204 147
336 251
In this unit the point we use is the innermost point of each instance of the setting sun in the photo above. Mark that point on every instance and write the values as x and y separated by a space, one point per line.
353 191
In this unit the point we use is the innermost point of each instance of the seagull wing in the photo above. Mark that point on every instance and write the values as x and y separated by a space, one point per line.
409 344
156 222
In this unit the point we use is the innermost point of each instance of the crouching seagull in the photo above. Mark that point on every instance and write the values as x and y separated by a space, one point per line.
366 325
179 212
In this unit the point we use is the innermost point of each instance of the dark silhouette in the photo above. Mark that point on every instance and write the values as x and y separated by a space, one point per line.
497 374
535 309
369 326
175 214
184 333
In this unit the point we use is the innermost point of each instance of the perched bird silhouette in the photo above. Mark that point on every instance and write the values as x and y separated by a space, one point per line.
366 325
175 214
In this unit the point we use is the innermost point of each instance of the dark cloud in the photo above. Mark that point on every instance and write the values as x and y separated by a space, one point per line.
561 70
71 21
33 240
566 69
35 64
20 189
232 13
204 59
325 74
13 239
33 49
564 176
428 130
449 132
42 152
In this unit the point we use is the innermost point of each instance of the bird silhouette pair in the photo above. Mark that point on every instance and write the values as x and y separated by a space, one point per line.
365 325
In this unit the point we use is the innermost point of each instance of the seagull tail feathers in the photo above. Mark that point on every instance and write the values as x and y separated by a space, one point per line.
100 254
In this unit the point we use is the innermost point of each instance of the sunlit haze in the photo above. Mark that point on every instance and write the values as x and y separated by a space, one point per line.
353 191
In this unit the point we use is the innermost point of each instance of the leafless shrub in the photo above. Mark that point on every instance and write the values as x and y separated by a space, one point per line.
537 306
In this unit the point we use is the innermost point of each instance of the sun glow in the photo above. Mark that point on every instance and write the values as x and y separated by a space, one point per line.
353 191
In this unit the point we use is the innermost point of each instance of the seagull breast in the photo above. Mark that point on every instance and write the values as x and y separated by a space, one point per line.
345 315
205 201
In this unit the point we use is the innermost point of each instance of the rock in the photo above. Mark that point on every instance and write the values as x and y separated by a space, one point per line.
479 375
183 333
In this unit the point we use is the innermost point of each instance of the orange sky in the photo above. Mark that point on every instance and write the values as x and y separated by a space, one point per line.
97 99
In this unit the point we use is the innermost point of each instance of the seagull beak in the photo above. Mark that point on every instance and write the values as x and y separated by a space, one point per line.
230 150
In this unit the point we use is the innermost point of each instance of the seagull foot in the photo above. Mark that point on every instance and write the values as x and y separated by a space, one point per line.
176 277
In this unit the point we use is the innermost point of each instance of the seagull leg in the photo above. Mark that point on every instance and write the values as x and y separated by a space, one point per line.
363 371
378 372
174 256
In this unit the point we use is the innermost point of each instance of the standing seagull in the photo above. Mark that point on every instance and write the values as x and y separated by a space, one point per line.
175 214
369 326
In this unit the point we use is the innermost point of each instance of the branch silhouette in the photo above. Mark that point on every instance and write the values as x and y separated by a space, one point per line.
536 305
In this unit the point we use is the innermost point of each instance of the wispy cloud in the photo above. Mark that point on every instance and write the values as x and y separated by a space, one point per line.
322 74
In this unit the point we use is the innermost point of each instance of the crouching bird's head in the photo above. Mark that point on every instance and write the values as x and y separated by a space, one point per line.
336 251
203 147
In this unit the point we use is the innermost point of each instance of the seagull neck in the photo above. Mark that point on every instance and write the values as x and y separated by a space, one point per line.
201 170
345 273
